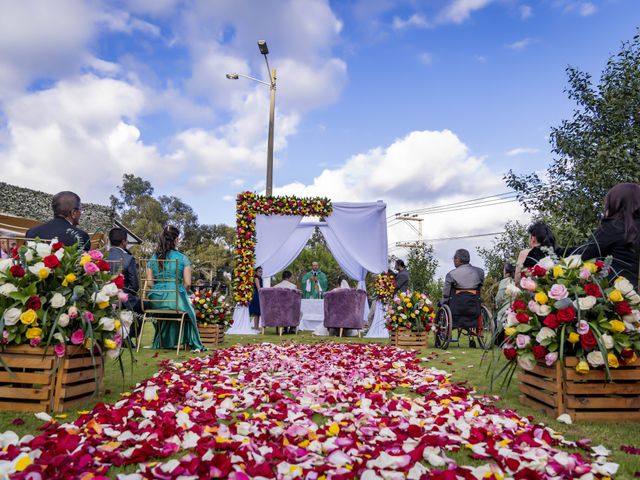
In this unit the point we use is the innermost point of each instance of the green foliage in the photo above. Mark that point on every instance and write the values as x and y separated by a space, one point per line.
504 248
596 149
422 266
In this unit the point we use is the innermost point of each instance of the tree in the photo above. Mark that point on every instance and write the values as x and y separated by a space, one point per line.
596 149
422 266
504 248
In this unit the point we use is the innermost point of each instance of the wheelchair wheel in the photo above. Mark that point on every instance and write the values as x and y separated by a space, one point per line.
486 328
444 322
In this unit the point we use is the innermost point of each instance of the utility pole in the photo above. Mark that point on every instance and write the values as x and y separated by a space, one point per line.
408 219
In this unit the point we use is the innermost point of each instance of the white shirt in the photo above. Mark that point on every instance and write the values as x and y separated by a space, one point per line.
286 284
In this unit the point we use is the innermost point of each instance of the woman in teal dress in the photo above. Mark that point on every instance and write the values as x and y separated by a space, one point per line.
161 277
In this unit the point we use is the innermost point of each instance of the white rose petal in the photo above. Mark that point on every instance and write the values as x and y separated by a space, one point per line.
8 288
58 300
565 418
11 316
45 417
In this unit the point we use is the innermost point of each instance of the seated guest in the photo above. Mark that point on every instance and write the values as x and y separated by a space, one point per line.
286 281
619 233
464 277
342 281
402 277
67 210
121 261
540 235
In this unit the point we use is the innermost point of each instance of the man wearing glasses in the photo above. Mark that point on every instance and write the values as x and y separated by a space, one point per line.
67 210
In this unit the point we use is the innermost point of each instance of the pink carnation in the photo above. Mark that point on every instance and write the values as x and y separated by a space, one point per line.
558 292
77 337
59 349
95 255
91 268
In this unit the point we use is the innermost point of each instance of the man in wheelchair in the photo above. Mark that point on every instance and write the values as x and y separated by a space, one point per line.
461 292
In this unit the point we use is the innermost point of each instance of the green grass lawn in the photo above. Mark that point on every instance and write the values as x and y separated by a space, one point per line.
463 363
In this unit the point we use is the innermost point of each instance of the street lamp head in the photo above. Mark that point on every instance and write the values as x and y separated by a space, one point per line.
262 45
232 76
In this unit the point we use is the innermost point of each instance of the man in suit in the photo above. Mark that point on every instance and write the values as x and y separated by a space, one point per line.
402 277
121 261
67 210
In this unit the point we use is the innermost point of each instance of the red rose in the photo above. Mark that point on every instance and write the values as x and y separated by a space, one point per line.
551 321
118 281
622 309
103 265
566 315
539 351
518 305
33 303
51 261
588 341
17 271
599 264
57 246
510 353
15 253
627 353
593 290
538 271
522 317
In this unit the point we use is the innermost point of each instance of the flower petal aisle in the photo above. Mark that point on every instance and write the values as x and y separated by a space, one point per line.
334 411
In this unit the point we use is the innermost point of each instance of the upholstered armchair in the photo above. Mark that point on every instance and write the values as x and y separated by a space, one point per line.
280 308
344 308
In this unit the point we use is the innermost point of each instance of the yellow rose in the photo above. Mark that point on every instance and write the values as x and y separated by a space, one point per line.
582 367
110 344
116 325
43 273
509 331
34 333
541 298
413 315
29 317
85 259
633 358
616 296
574 337
558 271
103 305
613 360
590 266
616 325
409 305
69 278
201 301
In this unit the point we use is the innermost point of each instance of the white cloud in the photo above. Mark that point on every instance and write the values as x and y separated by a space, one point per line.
425 58
459 11
525 11
417 20
521 151
520 45
587 9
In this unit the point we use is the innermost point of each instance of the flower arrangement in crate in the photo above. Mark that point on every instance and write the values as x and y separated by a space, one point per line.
567 307
56 296
411 310
211 308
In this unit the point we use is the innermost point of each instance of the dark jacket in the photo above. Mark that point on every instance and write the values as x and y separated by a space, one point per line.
464 277
123 262
61 229
402 281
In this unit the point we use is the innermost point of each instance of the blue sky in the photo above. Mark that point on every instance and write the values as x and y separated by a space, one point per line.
416 103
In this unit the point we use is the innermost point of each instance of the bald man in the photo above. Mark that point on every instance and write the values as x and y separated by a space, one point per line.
314 283
67 210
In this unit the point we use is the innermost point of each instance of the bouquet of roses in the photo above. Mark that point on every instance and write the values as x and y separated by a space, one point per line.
385 287
411 310
211 309
53 295
569 307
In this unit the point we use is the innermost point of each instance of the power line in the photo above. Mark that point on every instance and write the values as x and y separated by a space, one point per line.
442 239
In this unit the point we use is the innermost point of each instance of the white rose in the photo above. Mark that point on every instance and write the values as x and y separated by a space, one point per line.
59 337
107 324
5 264
546 263
60 254
99 297
544 334
607 340
586 303
544 310
526 363
623 285
113 354
512 290
110 290
595 359
43 249
634 298
58 300
8 288
573 261
512 321
63 320
35 269
28 256
11 316
126 317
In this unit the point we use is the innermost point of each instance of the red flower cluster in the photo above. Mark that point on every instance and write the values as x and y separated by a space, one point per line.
33 303
593 290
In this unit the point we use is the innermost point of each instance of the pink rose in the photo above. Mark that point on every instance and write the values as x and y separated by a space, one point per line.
534 306
77 337
551 358
528 284
59 349
91 268
34 342
583 327
584 273
88 317
123 297
522 340
95 255
118 339
73 313
558 292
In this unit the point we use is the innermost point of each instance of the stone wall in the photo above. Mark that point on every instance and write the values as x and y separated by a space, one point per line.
23 202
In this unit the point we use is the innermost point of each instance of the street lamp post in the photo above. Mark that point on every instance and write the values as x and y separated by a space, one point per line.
264 50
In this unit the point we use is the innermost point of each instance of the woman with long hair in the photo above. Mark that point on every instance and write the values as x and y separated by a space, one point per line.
161 277
540 235
618 235
254 306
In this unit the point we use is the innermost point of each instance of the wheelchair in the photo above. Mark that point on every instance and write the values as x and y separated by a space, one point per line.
466 314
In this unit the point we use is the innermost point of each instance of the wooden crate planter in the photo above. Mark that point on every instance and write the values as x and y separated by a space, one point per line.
41 381
585 397
406 338
211 334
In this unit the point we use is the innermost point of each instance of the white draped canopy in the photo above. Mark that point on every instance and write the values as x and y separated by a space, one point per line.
356 235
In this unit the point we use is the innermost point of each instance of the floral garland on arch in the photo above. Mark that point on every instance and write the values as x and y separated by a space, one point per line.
248 206
385 287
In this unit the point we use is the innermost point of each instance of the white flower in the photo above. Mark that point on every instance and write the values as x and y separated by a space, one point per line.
634 298
565 418
623 285
544 334
8 288
5 264
28 256
35 269
126 317
59 337
526 363
511 320
586 303
512 290
607 340
60 253
595 358
99 297
110 290
114 353
544 310
63 320
43 249
547 263
107 324
58 300
573 261
11 316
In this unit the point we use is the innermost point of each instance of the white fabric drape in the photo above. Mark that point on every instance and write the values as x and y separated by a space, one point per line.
272 231
241 322
288 250
377 328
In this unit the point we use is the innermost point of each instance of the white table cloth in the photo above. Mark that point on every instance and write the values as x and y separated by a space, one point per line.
312 314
